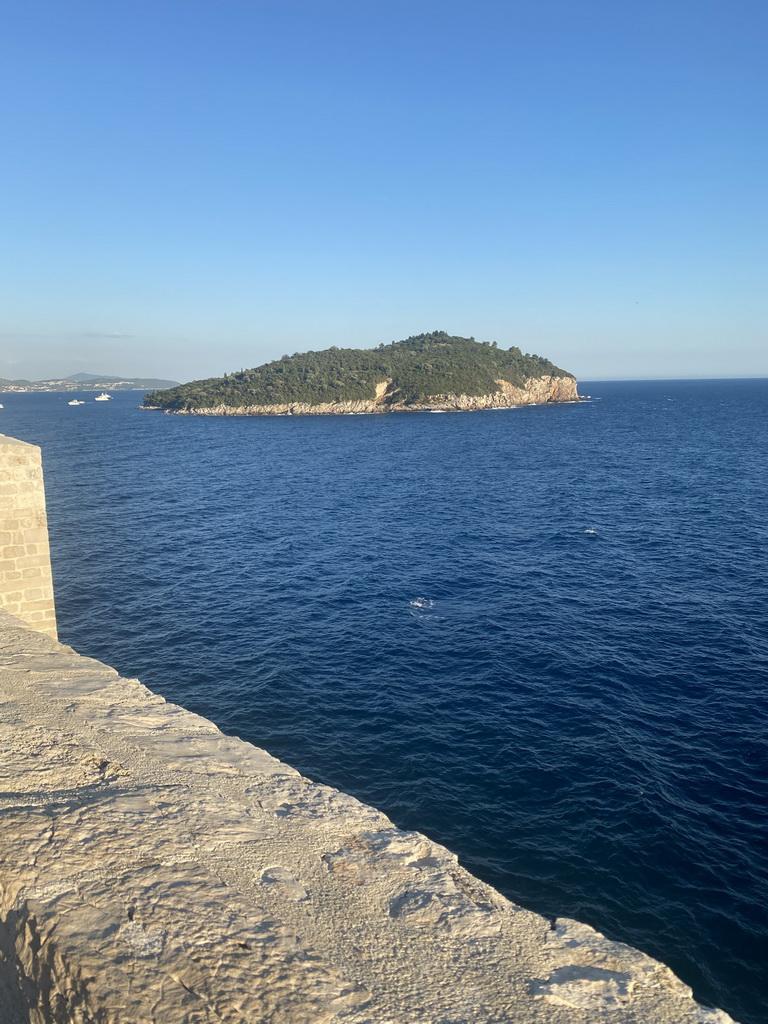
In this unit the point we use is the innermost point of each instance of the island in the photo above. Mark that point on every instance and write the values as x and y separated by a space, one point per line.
434 372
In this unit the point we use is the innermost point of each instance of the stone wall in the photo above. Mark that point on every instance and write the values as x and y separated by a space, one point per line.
26 587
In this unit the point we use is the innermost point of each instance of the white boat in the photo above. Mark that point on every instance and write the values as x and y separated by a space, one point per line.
76 401
103 397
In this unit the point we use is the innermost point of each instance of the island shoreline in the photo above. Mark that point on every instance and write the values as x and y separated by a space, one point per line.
545 390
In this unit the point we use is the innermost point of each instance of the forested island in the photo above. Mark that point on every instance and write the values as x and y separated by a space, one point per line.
435 371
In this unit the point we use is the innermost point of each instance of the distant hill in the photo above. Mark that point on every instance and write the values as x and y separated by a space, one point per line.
436 370
116 383
89 382
85 378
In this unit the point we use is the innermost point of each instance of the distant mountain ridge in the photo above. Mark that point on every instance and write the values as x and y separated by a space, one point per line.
86 377
97 379
436 371
89 382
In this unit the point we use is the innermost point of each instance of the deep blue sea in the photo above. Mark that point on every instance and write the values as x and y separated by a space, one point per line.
539 635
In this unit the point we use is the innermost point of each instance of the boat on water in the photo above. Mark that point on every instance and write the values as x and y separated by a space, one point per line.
76 401
103 397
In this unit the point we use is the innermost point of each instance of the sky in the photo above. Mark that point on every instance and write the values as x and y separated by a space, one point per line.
192 187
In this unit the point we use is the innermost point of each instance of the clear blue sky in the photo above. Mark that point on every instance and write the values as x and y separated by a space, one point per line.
195 186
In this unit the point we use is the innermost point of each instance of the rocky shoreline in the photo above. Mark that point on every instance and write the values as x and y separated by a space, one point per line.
535 391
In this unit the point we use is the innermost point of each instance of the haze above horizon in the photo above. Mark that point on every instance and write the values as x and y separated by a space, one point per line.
193 188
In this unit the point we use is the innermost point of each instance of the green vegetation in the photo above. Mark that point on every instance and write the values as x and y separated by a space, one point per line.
419 368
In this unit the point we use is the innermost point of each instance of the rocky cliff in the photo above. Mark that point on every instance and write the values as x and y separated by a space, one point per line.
535 391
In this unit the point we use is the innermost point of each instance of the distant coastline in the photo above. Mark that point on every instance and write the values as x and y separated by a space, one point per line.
86 382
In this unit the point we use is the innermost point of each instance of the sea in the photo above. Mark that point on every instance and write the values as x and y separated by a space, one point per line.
537 635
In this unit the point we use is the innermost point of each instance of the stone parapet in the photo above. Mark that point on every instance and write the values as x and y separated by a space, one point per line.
156 871
26 586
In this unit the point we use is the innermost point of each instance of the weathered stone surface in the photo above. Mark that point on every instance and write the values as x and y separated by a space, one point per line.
155 871
535 391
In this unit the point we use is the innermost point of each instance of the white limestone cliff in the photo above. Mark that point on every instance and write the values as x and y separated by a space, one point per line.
535 391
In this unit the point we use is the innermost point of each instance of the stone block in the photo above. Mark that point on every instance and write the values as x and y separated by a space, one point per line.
38 604
25 561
